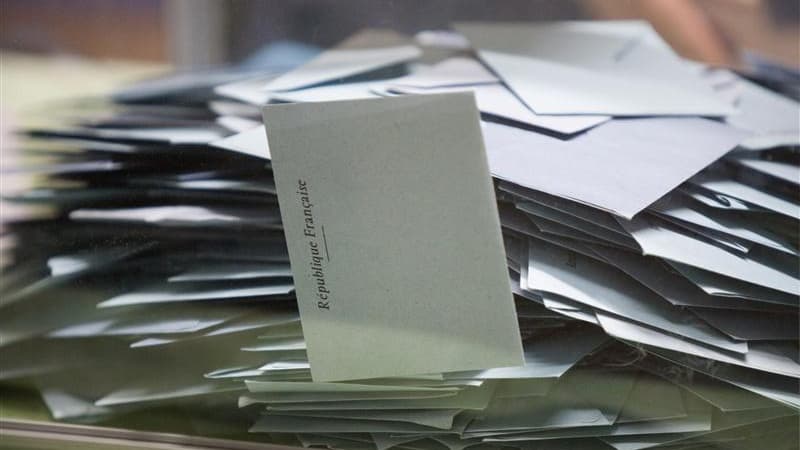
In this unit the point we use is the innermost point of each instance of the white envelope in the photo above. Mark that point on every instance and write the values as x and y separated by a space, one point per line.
771 115
602 287
662 240
336 64
252 142
457 71
621 166
758 357
496 100
616 68
326 93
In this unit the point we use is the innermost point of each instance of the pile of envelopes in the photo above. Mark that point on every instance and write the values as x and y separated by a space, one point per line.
649 206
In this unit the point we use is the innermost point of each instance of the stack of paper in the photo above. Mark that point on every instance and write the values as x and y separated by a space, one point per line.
649 209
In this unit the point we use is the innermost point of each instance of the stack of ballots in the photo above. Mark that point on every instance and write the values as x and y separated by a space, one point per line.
649 210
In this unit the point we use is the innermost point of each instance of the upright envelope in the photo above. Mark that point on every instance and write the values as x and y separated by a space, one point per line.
393 236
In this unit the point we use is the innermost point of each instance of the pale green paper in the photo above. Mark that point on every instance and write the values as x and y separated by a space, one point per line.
403 221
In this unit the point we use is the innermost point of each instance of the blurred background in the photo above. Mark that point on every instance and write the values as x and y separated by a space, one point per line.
192 33
52 50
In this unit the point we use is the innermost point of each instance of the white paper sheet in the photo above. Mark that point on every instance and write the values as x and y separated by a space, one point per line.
623 165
